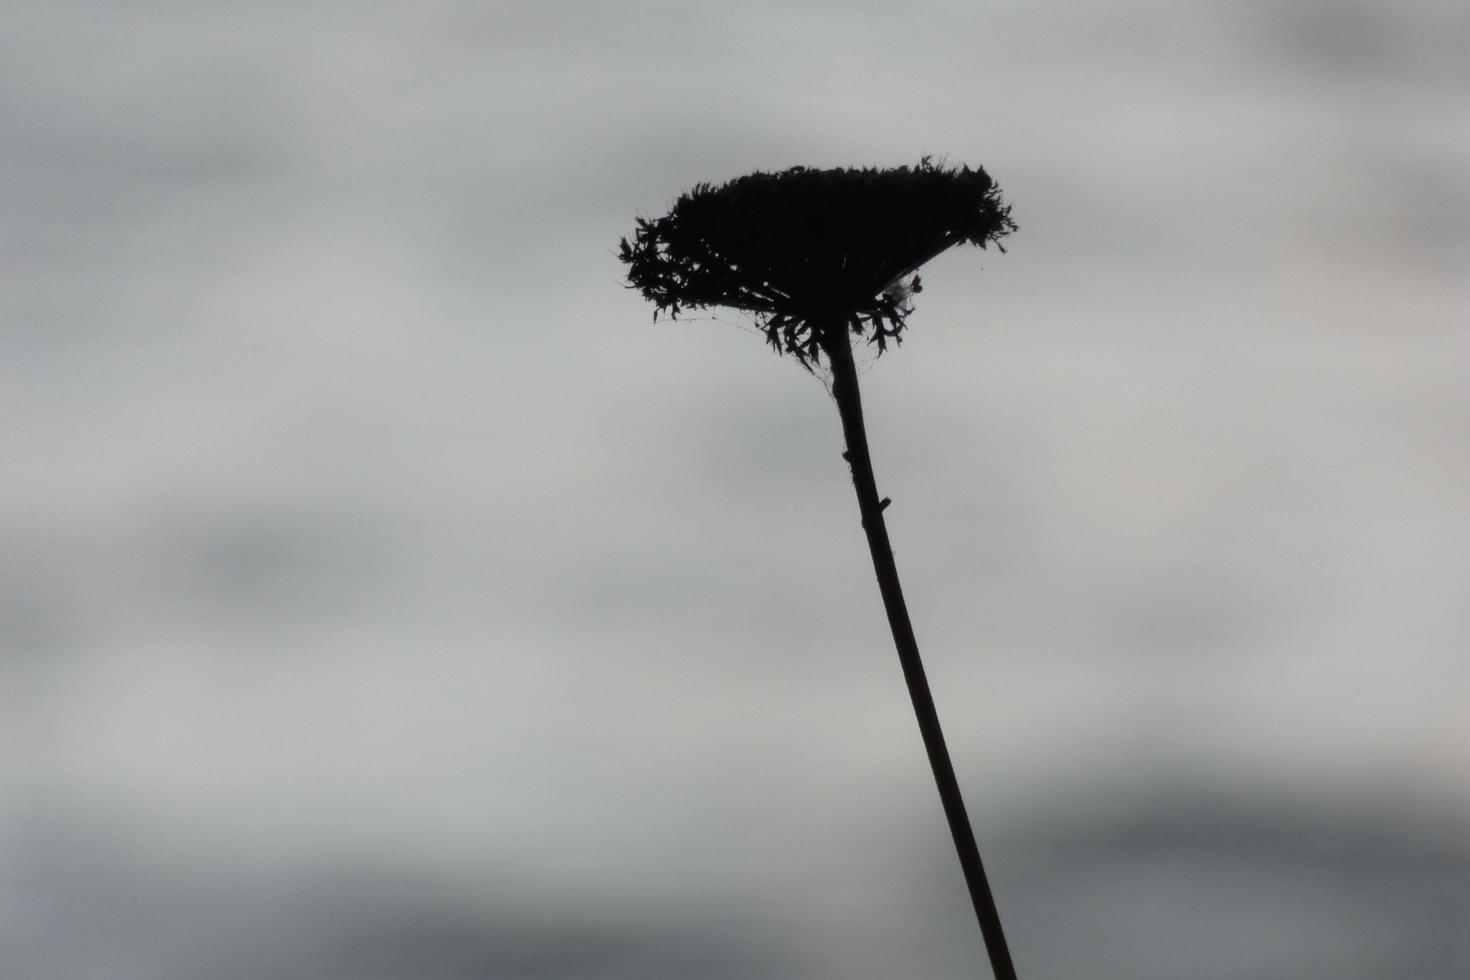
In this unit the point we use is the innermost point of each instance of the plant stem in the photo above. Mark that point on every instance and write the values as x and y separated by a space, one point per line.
837 344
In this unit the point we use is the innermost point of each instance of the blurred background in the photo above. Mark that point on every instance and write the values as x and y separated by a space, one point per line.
383 595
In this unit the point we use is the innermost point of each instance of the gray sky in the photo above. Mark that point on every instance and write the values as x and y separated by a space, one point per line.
383 595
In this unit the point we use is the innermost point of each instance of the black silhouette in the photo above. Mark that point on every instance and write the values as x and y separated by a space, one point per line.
818 257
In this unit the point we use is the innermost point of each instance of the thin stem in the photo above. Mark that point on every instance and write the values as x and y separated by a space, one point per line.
837 344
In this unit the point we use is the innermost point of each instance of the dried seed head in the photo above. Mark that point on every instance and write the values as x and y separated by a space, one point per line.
801 247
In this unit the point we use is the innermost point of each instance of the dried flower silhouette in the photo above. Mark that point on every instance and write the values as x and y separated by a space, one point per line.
818 258
802 247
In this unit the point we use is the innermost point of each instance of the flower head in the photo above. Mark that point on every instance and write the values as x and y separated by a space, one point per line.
801 248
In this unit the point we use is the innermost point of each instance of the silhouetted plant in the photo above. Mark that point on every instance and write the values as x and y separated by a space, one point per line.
819 257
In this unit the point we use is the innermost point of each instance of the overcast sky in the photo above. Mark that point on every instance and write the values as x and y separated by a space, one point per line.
383 594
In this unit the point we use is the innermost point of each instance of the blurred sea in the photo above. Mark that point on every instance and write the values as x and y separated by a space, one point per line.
384 597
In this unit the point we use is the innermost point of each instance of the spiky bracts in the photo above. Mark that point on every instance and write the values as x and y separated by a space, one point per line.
801 248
